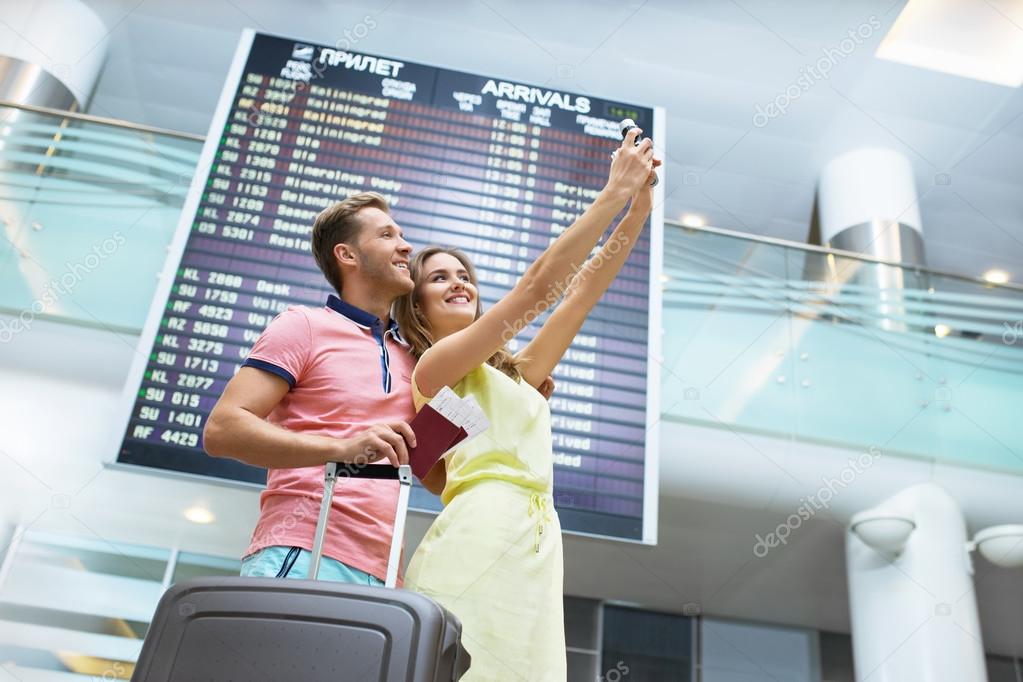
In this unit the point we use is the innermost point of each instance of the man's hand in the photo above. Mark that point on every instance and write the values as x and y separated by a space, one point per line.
389 441
632 164
546 389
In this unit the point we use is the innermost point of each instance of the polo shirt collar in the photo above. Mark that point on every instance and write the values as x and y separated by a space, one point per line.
362 318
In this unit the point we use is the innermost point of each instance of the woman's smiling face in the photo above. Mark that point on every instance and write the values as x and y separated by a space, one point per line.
447 296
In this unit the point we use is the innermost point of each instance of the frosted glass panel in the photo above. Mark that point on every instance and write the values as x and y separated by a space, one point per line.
87 211
758 337
744 652
778 340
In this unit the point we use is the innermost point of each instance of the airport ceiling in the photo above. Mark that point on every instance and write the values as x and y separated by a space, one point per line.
715 65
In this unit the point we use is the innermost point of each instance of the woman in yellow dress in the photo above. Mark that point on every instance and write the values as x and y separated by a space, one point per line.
493 556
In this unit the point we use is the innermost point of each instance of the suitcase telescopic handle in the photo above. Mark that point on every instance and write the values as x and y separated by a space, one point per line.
335 470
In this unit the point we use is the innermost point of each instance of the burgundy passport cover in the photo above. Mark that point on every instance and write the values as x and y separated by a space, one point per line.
435 435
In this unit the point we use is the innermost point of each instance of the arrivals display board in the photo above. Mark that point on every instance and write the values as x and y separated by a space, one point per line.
495 167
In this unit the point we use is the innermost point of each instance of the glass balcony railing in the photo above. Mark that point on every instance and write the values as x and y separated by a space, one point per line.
780 339
87 209
759 336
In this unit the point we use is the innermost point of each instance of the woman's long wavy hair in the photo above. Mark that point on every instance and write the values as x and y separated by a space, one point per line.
413 324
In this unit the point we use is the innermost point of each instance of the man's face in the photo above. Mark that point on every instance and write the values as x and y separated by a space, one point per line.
383 253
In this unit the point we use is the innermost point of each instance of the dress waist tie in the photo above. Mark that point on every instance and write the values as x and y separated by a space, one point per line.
539 508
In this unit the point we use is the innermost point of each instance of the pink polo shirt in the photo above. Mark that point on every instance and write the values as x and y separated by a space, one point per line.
346 372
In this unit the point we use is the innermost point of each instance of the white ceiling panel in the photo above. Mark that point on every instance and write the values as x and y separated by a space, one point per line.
711 64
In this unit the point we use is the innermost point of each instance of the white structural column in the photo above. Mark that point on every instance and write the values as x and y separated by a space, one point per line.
51 52
867 199
867 204
913 606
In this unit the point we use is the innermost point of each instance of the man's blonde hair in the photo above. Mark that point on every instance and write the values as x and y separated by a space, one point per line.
340 224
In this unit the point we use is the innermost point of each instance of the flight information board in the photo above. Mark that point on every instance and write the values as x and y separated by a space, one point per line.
496 168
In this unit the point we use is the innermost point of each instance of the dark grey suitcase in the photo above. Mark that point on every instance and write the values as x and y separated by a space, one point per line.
253 629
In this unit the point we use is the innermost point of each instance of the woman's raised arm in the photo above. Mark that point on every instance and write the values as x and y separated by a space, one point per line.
544 352
454 356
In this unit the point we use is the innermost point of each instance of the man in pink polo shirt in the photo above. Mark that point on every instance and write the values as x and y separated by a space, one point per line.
327 385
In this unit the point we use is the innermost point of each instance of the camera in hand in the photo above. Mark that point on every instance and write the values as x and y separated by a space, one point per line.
625 126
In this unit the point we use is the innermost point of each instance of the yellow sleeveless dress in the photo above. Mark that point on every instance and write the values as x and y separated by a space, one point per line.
493 556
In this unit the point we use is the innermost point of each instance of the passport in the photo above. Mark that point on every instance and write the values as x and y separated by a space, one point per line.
440 425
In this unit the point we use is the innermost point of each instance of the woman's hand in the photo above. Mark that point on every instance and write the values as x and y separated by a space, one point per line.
632 164
643 199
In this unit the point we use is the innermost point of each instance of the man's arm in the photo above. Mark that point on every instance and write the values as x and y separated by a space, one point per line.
237 428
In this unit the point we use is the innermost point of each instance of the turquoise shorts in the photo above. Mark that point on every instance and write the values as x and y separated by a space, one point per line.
293 562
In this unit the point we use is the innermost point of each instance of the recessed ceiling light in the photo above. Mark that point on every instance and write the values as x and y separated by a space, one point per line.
978 40
199 515
942 330
996 276
693 220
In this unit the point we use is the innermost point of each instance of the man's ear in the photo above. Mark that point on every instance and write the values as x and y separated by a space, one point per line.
345 254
